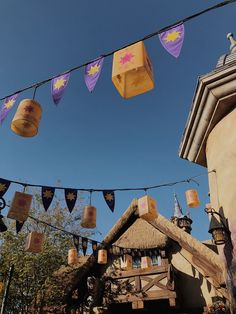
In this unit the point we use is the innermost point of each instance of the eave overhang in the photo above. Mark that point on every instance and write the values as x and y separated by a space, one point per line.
214 98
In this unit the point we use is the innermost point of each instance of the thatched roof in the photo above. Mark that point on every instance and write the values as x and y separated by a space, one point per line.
142 235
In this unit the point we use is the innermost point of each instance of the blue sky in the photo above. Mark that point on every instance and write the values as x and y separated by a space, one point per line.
101 140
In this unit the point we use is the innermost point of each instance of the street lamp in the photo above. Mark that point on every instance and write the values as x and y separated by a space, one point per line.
219 229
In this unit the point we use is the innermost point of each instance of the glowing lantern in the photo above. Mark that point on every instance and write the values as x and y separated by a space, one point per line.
146 262
192 198
89 217
126 263
20 206
147 207
27 117
102 256
34 242
132 71
72 256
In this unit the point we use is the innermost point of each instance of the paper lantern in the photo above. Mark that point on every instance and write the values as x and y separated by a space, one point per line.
192 198
147 207
126 263
146 262
20 206
102 256
34 242
132 71
27 117
89 217
72 256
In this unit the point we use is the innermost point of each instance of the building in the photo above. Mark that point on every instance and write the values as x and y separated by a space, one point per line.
209 140
184 277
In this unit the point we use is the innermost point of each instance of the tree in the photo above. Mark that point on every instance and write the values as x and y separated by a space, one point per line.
31 270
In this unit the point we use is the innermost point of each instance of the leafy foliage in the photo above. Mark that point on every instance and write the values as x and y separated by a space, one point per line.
31 270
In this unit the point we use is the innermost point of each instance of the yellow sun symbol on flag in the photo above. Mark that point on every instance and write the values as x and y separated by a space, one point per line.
70 196
171 37
9 103
94 69
109 197
2 187
47 194
59 83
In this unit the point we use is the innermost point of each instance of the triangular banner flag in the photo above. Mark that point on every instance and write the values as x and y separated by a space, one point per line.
19 226
172 39
58 86
92 73
7 106
4 185
109 197
84 245
76 242
70 197
94 246
47 196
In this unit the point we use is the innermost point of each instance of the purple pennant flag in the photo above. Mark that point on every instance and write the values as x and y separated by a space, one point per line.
92 73
58 87
172 39
6 107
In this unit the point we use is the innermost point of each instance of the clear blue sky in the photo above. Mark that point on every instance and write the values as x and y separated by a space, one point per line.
100 140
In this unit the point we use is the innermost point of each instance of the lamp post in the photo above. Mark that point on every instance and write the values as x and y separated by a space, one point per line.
6 292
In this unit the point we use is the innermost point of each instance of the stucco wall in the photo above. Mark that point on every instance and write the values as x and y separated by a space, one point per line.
194 290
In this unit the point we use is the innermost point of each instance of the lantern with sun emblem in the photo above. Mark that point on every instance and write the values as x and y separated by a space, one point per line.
132 72
102 256
147 207
27 117
34 242
192 198
89 217
20 206
146 262
72 256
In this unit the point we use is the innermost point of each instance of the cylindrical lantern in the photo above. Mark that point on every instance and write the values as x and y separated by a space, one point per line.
102 256
192 198
146 262
89 217
27 117
20 206
72 256
34 242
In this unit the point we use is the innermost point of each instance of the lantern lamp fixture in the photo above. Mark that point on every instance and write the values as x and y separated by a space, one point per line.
218 228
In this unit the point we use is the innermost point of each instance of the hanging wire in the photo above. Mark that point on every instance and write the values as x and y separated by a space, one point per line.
188 180
186 19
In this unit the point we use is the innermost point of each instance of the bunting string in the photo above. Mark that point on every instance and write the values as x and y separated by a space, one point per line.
91 190
90 85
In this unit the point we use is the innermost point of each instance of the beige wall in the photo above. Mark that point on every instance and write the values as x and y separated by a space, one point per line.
195 290
221 156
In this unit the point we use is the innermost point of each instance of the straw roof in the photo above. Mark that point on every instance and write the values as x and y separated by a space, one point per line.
142 235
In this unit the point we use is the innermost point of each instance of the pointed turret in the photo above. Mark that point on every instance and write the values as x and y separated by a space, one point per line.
179 219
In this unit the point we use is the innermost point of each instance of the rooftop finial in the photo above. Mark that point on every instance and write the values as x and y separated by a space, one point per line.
232 41
177 209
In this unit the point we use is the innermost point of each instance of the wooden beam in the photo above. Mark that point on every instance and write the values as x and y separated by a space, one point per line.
140 272
153 282
147 296
137 283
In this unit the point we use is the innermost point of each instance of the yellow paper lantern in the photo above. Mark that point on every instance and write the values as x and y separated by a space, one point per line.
72 256
132 72
34 242
102 256
192 198
89 217
27 117
147 207
20 206
146 262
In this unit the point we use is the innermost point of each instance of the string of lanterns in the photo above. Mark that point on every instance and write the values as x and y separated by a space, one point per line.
132 74
21 202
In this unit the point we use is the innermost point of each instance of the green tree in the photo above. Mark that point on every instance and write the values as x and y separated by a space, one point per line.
31 270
